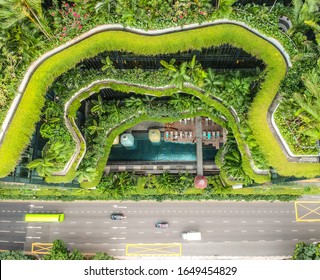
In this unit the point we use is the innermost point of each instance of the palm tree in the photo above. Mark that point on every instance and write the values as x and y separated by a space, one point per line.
88 174
315 48
43 166
108 65
94 128
114 112
98 106
195 71
213 82
309 102
224 7
14 11
179 102
178 75
169 66
136 103
305 10
108 6
181 76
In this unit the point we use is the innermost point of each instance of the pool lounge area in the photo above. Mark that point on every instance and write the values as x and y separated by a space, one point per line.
147 147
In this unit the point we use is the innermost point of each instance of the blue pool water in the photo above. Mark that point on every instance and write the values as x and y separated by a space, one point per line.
145 150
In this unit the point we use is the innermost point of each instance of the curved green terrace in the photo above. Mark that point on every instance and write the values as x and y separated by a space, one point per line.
21 119
74 103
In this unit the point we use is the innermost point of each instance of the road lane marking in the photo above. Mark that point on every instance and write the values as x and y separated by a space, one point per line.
22 222
243 230
88 232
17 231
277 221
191 222
175 222
4 241
33 227
89 222
209 230
73 222
4 221
33 237
39 232
226 231
311 230
106 233
243 221
56 232
115 238
4 230
208 222
278 230
259 221
226 222
261 230
116 249
294 230
118 227
19 242
279 240
141 232
141 222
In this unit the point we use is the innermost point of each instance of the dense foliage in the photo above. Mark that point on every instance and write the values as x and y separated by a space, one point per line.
21 42
14 255
304 251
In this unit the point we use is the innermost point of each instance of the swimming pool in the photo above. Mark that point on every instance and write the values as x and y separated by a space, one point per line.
145 150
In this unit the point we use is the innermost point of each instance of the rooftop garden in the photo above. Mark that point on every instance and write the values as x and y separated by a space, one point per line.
238 100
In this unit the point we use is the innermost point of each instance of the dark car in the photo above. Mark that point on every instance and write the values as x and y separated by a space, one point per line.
161 224
117 216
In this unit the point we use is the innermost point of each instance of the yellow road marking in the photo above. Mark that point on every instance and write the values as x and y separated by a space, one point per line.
170 249
304 209
41 248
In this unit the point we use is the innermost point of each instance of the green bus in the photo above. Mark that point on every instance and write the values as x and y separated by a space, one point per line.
30 217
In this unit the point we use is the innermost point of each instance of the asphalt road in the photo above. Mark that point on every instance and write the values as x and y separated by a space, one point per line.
228 228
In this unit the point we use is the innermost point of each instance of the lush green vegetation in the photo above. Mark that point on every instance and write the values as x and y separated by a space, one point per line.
305 251
64 21
14 255
106 116
57 64
59 251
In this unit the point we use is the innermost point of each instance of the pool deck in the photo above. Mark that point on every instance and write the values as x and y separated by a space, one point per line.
201 131
184 131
